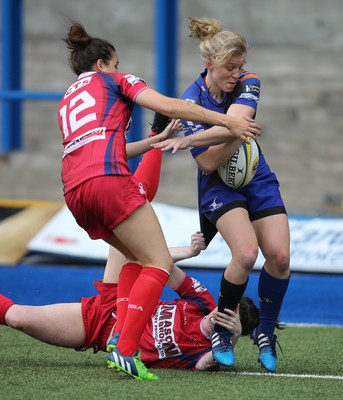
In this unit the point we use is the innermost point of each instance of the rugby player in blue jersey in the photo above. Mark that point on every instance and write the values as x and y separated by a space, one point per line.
248 218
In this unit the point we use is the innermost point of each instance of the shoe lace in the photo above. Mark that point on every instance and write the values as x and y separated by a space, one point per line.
225 342
262 340
273 342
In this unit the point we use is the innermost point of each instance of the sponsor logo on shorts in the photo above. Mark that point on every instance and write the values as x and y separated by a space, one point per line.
214 206
141 188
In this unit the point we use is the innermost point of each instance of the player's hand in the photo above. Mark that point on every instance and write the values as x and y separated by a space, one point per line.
197 243
174 144
171 130
243 127
229 320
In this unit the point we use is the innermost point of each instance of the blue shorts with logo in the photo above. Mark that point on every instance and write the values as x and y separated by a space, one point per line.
261 198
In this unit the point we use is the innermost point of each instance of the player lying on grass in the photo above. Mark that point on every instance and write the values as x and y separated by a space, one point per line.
176 336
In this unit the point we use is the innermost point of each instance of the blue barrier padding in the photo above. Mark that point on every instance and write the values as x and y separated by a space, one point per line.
12 94
135 134
311 298
12 43
30 95
166 46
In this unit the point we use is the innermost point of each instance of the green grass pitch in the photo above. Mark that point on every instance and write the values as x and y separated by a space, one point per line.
310 367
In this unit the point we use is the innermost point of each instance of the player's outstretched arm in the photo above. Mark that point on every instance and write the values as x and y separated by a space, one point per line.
240 126
181 253
194 249
134 149
211 137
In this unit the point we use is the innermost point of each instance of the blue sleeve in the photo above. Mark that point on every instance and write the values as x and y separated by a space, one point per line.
249 90
189 127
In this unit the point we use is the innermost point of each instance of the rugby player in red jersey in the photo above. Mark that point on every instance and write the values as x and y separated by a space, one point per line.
177 334
99 189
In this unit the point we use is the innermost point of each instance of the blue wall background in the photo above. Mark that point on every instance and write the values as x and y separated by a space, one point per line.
311 298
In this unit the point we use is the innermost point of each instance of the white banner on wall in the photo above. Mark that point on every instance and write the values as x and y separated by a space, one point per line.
316 243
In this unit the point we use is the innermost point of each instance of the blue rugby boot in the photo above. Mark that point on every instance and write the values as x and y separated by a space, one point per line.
266 345
222 348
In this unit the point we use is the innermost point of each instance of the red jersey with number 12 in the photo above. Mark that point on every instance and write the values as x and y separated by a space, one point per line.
94 116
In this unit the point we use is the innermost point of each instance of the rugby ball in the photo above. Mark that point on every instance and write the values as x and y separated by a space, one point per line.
242 166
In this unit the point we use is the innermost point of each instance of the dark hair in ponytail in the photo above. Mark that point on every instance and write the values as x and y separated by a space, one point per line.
86 50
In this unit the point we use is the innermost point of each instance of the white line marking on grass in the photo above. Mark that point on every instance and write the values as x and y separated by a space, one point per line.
306 376
312 325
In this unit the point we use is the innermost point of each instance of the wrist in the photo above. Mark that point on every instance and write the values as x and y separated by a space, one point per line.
206 326
156 136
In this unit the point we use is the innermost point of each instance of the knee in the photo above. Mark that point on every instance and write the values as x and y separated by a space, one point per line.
246 257
13 318
169 265
165 263
279 262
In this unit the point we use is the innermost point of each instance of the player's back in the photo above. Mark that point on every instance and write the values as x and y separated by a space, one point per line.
93 116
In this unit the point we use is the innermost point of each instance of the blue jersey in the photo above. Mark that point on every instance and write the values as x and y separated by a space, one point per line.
247 92
216 198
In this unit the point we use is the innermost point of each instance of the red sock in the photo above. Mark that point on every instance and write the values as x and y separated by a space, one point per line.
127 278
149 171
5 304
143 299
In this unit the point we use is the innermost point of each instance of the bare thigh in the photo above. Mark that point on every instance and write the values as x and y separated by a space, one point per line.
57 324
239 234
142 234
274 240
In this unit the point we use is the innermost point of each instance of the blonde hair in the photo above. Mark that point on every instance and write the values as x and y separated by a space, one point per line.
216 45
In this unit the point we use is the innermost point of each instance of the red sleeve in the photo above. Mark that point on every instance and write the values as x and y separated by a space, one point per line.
192 290
130 85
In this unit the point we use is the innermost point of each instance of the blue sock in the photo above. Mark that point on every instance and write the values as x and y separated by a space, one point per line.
271 292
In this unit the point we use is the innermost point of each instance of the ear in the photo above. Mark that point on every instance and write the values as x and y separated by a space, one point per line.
208 64
100 65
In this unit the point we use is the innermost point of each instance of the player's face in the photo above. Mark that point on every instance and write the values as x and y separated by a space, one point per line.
112 65
225 76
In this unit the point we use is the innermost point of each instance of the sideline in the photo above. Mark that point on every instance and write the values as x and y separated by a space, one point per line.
301 376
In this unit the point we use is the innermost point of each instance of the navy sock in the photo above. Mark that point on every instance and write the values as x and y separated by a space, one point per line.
271 292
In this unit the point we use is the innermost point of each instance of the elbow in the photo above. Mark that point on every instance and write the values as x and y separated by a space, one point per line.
208 168
208 162
173 113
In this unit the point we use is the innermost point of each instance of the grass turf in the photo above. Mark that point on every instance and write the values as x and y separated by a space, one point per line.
33 370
